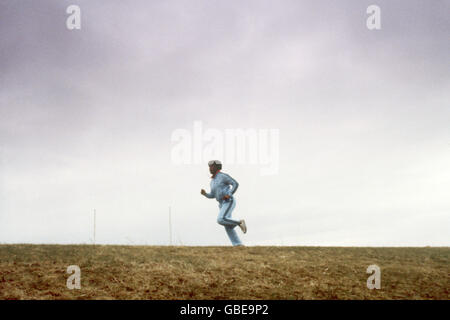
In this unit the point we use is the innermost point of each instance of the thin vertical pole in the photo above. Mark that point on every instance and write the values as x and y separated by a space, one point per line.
170 224
95 213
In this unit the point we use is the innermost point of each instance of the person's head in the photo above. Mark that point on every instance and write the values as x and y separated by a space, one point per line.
214 166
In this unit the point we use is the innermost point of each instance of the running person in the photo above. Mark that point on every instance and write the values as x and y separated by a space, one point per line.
220 189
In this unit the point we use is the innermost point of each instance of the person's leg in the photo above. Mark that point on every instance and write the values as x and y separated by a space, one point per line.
224 219
235 241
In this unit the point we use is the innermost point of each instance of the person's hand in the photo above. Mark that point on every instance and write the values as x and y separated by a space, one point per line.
203 192
226 197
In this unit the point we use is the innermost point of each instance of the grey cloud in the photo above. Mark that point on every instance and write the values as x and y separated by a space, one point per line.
86 116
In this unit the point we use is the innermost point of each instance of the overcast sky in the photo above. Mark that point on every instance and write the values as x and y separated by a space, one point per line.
87 118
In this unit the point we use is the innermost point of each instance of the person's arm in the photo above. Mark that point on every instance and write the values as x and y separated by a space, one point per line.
233 183
206 194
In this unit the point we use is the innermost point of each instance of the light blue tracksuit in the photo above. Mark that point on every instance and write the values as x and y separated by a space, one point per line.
220 186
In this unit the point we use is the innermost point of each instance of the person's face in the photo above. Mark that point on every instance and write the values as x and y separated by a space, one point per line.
212 169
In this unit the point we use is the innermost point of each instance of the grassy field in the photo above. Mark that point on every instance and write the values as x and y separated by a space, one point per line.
147 272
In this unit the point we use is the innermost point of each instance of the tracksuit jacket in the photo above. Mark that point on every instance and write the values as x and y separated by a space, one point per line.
220 186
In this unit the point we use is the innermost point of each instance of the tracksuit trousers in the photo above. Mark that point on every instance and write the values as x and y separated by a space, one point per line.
225 219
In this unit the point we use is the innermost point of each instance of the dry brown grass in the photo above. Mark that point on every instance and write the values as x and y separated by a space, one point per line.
146 272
